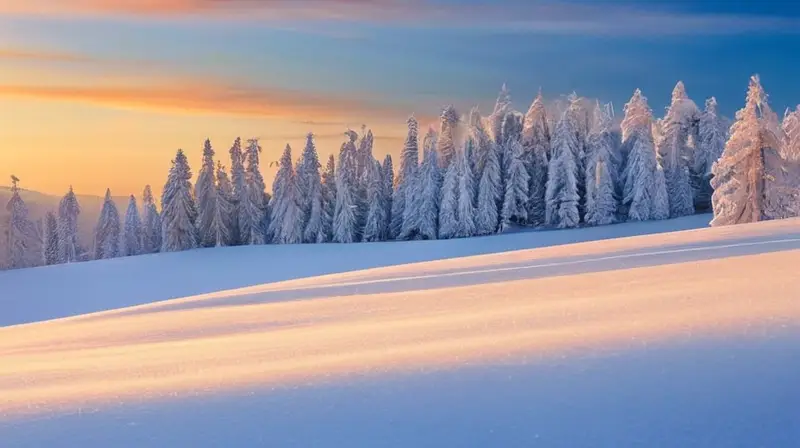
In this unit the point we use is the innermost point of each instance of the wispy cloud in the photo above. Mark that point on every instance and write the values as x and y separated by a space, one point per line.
26 54
210 97
542 16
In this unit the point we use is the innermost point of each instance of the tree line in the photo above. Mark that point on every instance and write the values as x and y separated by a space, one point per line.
561 167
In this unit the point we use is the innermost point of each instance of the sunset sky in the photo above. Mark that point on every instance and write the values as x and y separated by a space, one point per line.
100 93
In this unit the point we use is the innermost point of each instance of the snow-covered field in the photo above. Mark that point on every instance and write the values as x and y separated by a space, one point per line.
687 338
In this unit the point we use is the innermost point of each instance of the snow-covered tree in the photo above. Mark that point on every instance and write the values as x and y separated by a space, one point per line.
712 135
791 130
364 161
600 151
287 215
489 194
310 184
345 219
536 147
151 223
409 164
68 211
21 241
239 221
515 198
222 221
738 180
674 152
422 210
639 175
578 116
132 232
107 233
376 227
447 136
562 198
501 108
448 205
51 240
328 201
205 192
388 182
178 209
253 206
466 196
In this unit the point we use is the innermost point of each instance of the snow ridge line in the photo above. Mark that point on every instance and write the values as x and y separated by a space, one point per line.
558 263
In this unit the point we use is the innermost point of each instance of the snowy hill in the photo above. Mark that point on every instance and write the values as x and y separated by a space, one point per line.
686 338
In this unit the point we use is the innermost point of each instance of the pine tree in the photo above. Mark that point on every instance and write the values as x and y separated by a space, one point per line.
791 130
328 202
578 116
205 194
239 222
738 180
447 136
178 208
674 151
601 152
68 211
562 198
107 234
489 194
661 199
712 135
536 146
409 164
466 195
310 185
515 198
501 108
364 162
388 181
21 243
132 232
422 211
222 221
375 228
51 240
448 209
253 206
287 216
640 171
345 219
151 223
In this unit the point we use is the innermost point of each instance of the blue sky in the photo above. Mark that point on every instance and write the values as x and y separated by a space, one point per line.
376 61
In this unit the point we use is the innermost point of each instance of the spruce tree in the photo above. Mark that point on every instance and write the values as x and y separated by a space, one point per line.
375 228
712 135
515 197
132 232
179 211
579 119
253 206
600 151
661 199
21 244
487 216
409 164
430 184
466 196
328 201
448 122
222 221
68 211
639 188
107 233
388 181
601 197
448 209
287 215
345 219
501 108
310 186
239 222
51 240
536 146
562 197
674 152
791 131
205 193
151 223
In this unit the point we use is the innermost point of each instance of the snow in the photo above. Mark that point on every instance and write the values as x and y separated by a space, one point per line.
520 339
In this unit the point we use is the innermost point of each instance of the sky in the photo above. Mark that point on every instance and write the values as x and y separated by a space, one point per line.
101 93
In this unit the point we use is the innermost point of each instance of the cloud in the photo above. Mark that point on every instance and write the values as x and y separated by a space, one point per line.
515 16
196 96
19 54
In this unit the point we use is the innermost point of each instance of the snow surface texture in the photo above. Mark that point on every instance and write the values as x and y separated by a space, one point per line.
674 339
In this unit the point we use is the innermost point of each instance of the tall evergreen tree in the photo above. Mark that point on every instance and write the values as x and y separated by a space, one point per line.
179 211
364 161
20 232
712 135
422 199
376 227
562 197
739 175
501 108
205 192
446 145
328 201
253 206
345 219
536 146
515 198
409 164
600 207
674 151
51 240
388 181
310 186
448 209
287 216
239 222
132 232
639 175
661 199
466 196
579 123
68 211
222 221
489 193
107 234
151 223
791 130
601 197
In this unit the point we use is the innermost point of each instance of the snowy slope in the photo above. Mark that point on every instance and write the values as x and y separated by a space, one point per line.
676 339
